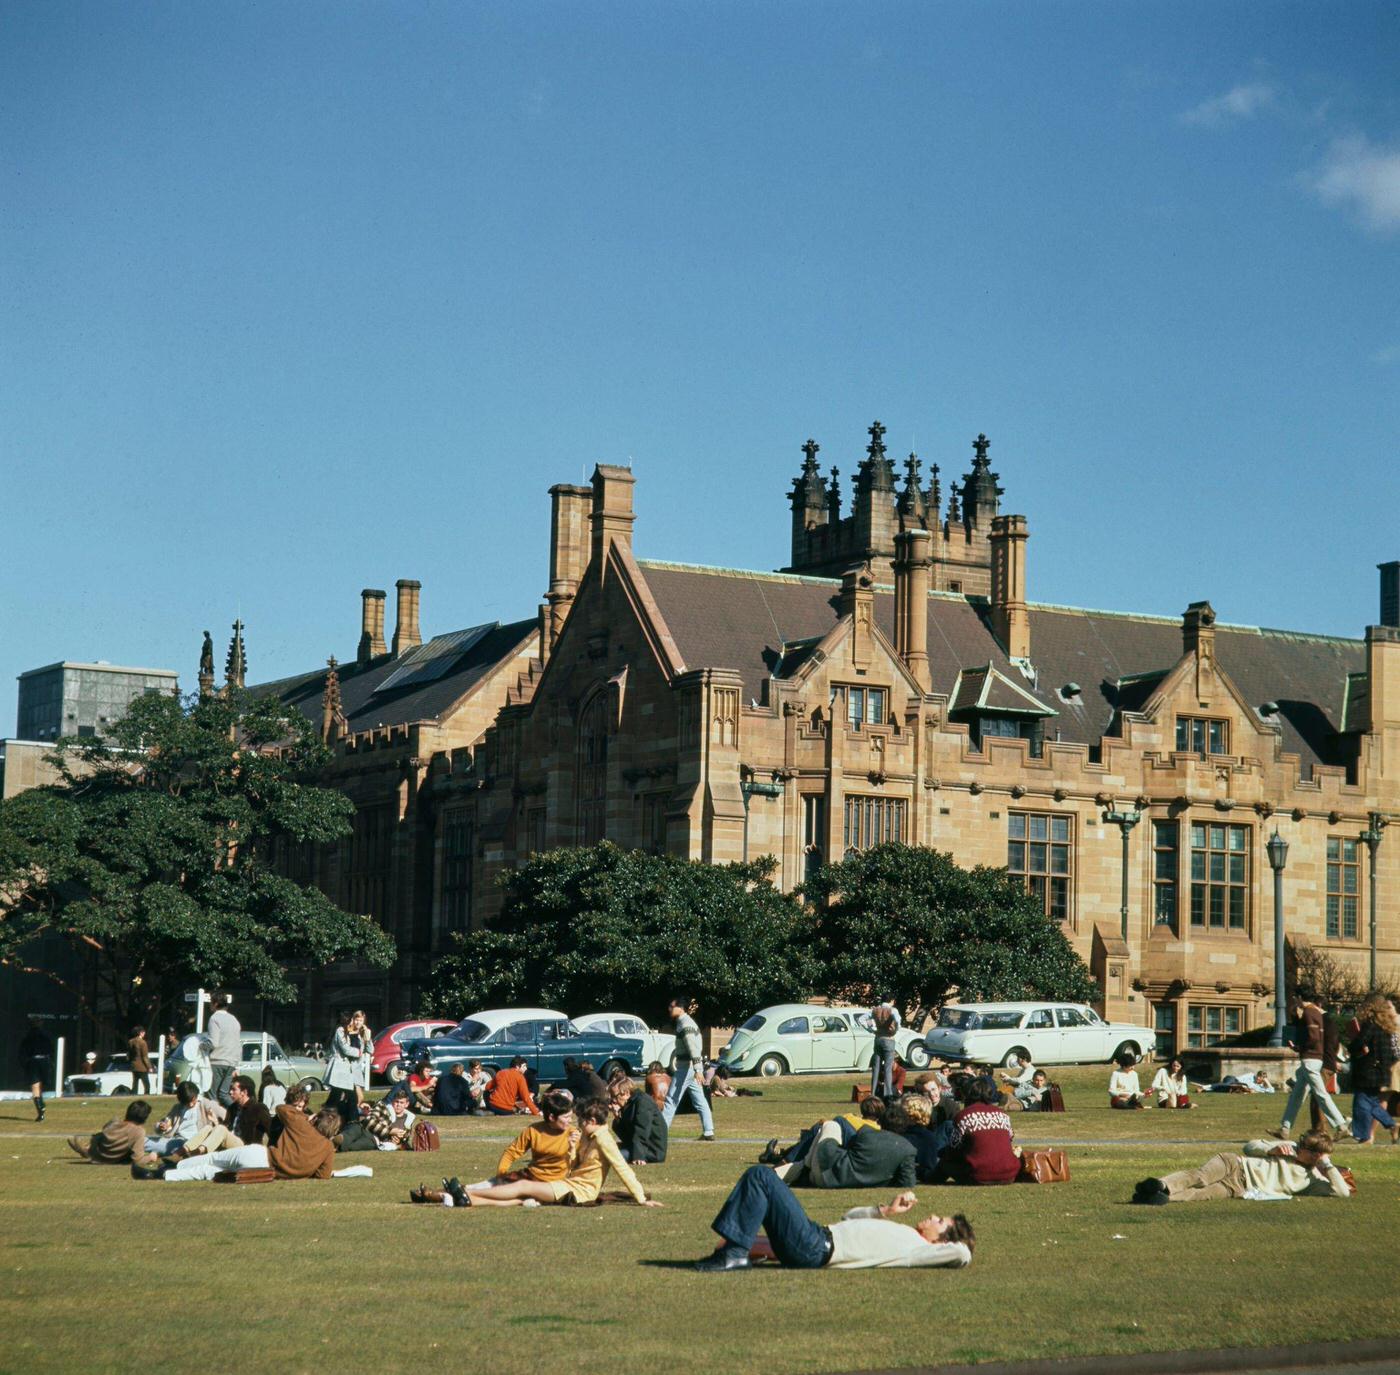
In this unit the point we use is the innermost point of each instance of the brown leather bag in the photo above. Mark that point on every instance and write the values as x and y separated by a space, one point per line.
1044 1167
423 1138
258 1176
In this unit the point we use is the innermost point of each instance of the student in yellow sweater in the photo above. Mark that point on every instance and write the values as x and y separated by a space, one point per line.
597 1153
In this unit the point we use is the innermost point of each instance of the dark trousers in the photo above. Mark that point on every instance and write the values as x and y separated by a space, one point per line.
140 1081
500 1112
760 1200
1365 1109
882 1068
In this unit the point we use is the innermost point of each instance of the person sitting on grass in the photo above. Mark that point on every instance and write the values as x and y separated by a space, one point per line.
658 1083
716 1081
510 1091
582 1080
389 1121
1171 1087
980 1144
935 1087
870 1160
1263 1167
546 1148
1124 1091
478 1085
638 1125
246 1124
272 1092
304 1150
864 1239
421 1083
928 1140
1019 1079
846 1125
189 1115
121 1142
452 1097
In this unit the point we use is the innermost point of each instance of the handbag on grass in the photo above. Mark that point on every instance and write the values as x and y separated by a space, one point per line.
423 1138
1044 1167
258 1176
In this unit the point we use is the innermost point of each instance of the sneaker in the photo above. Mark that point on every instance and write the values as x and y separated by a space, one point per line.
146 1171
1158 1200
79 1147
1146 1188
1280 1133
533 1202
708 1136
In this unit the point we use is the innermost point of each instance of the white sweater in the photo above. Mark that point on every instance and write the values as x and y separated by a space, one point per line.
1124 1084
1280 1175
863 1240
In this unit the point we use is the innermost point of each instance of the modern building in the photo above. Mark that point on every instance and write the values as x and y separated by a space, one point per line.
82 699
919 696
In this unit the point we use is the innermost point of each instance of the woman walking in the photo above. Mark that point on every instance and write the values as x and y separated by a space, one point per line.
1371 1060
343 1071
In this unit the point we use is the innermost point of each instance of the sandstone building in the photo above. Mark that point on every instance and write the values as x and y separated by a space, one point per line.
896 683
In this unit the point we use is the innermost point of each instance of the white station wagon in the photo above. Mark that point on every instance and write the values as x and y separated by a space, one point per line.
1049 1033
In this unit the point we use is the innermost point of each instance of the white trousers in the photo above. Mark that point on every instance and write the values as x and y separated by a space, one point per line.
207 1166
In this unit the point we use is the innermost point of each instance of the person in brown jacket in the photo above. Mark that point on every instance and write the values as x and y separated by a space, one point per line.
139 1053
1315 1039
121 1142
304 1150
658 1083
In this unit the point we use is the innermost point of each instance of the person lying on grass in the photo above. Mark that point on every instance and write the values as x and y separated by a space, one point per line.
868 1114
597 1153
1265 1167
121 1142
870 1160
304 1150
864 1238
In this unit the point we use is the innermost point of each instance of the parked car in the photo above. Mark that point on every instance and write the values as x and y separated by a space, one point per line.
807 1038
113 1080
656 1045
1049 1033
290 1069
387 1056
544 1037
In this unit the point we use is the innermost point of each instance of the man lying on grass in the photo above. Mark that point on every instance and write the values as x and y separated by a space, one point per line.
863 1239
1266 1168
121 1142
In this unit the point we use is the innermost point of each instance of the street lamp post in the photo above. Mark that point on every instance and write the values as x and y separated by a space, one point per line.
1125 821
1372 836
1277 850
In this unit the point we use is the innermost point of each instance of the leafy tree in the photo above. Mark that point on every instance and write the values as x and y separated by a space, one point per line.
909 923
152 856
587 929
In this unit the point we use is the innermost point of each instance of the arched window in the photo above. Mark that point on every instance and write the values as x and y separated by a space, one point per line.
593 771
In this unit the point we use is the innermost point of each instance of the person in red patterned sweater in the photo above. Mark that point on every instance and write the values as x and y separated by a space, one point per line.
981 1149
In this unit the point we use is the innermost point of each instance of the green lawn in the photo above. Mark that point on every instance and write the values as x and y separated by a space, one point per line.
104 1273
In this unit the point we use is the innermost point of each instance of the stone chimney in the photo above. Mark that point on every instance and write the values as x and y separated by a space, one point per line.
857 600
406 633
1198 638
913 564
1011 621
371 626
1390 593
569 547
612 509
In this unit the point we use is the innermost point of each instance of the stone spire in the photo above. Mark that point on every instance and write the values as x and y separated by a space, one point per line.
809 489
912 512
236 664
934 499
876 470
980 489
206 668
833 495
954 513
332 714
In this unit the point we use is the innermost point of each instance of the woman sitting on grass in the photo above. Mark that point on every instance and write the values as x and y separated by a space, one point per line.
422 1083
980 1144
1171 1087
1124 1091
596 1154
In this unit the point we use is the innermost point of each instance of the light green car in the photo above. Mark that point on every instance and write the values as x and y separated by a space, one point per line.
289 1069
807 1038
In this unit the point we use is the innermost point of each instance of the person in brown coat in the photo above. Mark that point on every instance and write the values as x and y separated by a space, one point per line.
304 1150
658 1083
139 1053
121 1142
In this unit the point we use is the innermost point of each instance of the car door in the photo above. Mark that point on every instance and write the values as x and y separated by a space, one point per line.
1041 1037
1079 1041
833 1043
794 1037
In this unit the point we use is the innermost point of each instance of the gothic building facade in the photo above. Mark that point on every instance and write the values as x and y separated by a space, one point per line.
895 683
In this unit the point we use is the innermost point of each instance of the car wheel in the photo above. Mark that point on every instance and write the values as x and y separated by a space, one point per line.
397 1072
771 1067
312 1085
119 1091
917 1056
611 1067
1021 1054
1128 1048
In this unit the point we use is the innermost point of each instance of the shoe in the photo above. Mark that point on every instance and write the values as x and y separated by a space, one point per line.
709 1136
423 1194
723 1260
147 1171
77 1145
770 1154
1281 1133
1146 1188
459 1195
1157 1200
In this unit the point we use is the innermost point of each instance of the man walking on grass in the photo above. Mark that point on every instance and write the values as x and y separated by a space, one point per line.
690 1062
885 1015
1316 1040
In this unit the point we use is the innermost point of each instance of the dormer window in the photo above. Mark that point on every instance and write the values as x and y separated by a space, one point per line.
1008 728
1202 735
861 706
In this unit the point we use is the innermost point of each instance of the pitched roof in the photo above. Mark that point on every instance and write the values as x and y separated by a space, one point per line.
766 624
431 679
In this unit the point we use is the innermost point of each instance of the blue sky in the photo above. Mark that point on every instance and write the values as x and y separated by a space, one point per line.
299 299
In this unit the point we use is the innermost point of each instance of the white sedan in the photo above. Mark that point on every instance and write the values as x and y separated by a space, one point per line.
1049 1033
656 1045
109 1082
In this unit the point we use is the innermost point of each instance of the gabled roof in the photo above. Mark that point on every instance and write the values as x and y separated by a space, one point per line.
767 624
984 689
431 679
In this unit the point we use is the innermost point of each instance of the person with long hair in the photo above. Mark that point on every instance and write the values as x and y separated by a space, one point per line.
1371 1060
343 1069
1124 1091
1171 1086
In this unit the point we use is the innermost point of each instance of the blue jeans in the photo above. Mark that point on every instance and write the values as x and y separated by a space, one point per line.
1366 1108
882 1068
682 1083
222 1078
761 1200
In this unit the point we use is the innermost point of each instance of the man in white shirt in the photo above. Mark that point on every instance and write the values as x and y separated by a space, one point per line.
1264 1167
864 1239
226 1050
690 1065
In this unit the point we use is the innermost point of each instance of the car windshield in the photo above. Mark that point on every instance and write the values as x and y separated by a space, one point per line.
469 1031
755 1023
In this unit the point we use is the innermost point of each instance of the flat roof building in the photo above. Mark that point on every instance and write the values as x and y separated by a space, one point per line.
82 699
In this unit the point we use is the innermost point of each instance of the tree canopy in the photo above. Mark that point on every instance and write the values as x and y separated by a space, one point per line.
153 853
602 928
907 922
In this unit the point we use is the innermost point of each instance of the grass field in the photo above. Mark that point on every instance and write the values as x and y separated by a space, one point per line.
104 1273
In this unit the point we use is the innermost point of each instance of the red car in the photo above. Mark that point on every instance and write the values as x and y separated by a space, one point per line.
387 1043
